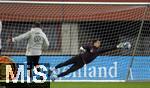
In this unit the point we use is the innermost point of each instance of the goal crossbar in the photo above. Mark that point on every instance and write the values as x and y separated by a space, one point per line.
78 3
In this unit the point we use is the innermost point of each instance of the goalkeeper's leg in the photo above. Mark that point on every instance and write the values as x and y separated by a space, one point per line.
73 68
77 64
68 62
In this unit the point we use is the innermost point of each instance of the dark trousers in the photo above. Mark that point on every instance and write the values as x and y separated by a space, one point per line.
77 64
32 61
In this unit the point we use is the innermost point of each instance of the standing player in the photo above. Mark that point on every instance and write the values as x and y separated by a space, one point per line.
37 41
0 36
90 52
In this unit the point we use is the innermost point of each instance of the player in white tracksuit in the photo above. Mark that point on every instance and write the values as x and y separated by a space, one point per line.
37 41
0 36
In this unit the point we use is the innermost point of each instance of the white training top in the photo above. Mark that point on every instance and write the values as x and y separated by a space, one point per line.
0 34
37 41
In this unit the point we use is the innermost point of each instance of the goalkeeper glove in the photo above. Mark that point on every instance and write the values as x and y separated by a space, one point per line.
125 45
82 49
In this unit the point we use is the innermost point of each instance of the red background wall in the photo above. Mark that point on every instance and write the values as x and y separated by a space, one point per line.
24 12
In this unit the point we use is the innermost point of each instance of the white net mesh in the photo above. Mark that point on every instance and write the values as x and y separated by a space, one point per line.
70 26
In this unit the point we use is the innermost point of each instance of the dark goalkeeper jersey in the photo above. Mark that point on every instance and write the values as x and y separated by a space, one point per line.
92 52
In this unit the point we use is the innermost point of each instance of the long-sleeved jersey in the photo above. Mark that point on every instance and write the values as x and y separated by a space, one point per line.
0 34
37 41
92 52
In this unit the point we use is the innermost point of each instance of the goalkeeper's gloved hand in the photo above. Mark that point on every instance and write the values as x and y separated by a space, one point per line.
82 49
124 45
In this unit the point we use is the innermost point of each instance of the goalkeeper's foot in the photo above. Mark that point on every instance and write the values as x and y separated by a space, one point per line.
54 77
50 72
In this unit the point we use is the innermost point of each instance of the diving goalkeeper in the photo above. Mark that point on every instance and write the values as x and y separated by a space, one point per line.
37 41
89 53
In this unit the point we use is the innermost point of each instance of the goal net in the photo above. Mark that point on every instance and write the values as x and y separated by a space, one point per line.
69 26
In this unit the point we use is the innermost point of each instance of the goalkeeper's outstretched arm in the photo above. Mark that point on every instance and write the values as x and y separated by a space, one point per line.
123 45
95 47
107 50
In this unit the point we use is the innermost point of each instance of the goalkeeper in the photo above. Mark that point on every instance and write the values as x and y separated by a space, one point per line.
37 41
89 53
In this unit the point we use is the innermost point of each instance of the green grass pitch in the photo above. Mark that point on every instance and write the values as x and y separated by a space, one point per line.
100 85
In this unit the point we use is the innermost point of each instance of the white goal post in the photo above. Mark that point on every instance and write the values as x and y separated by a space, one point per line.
78 3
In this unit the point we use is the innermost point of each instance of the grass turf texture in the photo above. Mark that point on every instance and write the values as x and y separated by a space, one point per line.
100 85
